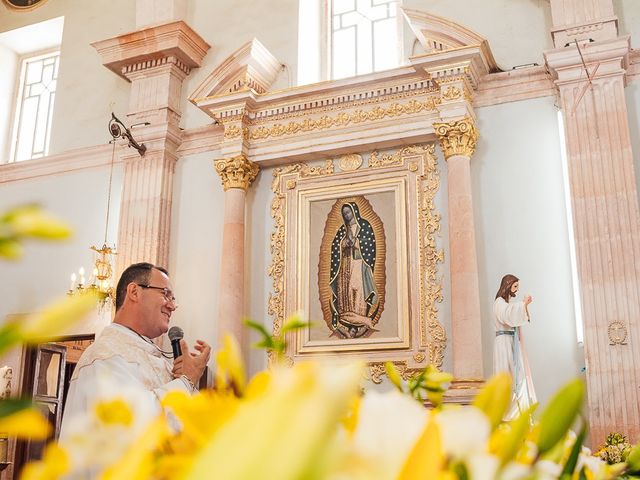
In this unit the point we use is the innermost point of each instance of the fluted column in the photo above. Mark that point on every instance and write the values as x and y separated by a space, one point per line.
237 174
606 221
458 142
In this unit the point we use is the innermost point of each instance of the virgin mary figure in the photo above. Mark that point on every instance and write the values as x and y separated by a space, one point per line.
354 297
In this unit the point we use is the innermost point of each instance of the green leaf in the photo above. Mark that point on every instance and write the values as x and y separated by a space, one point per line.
9 336
32 221
494 398
560 414
13 405
294 323
572 461
393 375
10 248
633 460
257 327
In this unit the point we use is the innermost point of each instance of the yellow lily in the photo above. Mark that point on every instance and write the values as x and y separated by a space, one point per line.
230 371
427 458
54 464
27 423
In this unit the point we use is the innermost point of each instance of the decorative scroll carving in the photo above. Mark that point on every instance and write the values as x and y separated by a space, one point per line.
376 371
430 257
451 93
457 137
307 171
236 172
344 119
234 131
617 332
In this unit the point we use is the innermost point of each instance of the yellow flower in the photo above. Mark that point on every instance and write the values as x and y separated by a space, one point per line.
138 461
54 464
115 411
27 423
427 458
284 434
55 318
230 366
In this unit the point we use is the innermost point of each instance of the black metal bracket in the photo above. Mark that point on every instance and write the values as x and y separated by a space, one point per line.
117 129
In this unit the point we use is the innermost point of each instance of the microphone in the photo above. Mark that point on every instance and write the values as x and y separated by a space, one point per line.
175 335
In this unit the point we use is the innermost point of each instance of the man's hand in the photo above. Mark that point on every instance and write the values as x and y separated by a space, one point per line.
192 364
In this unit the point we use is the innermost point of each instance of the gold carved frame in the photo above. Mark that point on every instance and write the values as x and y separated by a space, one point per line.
411 175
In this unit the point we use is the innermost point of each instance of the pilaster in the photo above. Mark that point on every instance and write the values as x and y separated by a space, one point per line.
607 227
237 174
458 141
155 60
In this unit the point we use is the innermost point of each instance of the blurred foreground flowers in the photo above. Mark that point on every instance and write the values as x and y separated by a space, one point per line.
18 417
312 421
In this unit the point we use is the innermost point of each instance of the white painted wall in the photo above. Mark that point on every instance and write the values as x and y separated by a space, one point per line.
8 76
521 228
517 31
42 275
628 12
632 94
87 92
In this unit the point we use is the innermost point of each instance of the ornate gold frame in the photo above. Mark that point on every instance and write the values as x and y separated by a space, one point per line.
26 8
417 170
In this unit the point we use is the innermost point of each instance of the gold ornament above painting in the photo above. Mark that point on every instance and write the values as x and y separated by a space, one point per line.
23 5
361 258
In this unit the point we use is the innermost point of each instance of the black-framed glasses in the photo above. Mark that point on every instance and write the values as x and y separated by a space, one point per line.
168 294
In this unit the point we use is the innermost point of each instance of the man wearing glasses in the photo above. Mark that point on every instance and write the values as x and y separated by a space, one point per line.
124 356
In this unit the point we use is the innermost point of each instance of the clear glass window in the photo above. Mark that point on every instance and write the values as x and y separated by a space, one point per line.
364 36
34 109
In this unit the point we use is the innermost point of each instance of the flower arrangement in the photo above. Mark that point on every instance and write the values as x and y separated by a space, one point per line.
616 449
310 421
313 421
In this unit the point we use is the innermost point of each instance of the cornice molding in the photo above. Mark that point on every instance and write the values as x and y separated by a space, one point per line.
73 160
143 48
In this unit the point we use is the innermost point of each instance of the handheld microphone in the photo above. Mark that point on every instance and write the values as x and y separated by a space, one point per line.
175 335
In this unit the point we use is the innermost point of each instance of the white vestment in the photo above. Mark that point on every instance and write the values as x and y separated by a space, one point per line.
125 359
509 354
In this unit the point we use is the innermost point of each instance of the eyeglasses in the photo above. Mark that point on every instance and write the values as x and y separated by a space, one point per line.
168 294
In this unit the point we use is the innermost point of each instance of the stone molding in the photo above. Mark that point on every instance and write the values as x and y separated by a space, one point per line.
457 137
252 67
236 172
147 47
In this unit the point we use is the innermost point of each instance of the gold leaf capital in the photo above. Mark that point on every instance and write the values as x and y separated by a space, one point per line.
236 172
458 137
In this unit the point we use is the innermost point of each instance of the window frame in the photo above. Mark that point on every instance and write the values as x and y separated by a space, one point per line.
326 66
19 100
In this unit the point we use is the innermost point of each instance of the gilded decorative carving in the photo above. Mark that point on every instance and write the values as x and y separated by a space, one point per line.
350 162
458 137
430 257
307 171
392 160
376 371
617 332
233 131
431 333
291 184
236 172
343 119
451 93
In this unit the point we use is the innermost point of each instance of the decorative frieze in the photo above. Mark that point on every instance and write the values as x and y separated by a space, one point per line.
236 172
457 137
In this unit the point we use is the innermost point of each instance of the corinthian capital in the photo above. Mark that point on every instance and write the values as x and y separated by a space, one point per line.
236 172
458 137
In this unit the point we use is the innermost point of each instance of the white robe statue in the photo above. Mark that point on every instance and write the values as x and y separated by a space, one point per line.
509 354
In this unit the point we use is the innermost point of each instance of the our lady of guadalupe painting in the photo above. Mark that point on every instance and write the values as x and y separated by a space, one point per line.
351 269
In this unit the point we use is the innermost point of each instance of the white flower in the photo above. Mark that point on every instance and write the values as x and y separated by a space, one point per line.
515 471
389 425
482 466
464 431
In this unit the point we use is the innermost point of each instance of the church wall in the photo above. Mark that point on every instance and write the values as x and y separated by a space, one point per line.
632 94
518 41
521 228
86 92
43 273
628 12
8 75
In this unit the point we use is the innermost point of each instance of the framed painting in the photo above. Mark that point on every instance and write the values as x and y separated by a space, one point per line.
354 249
23 4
